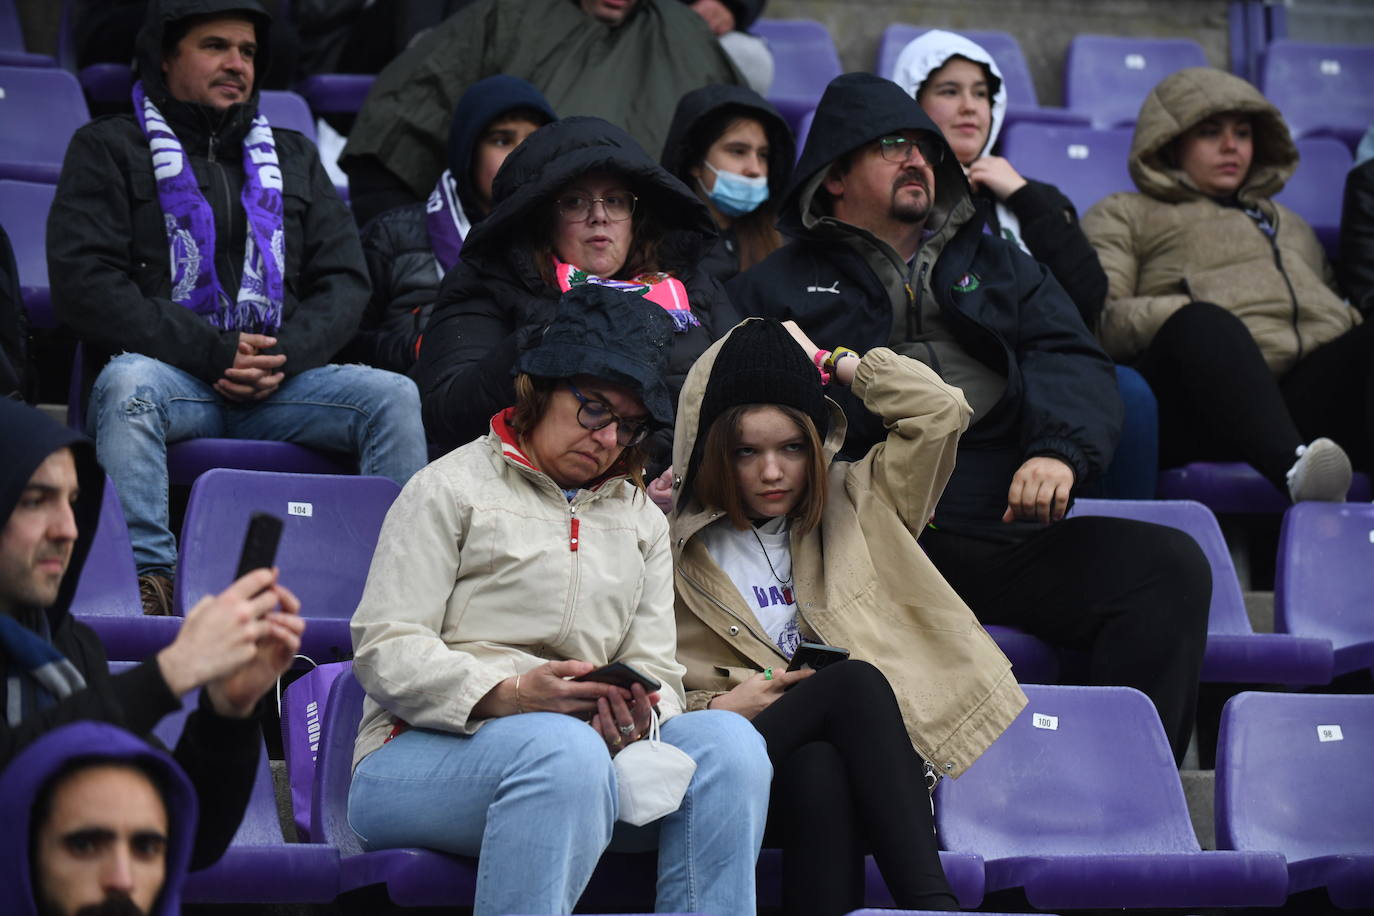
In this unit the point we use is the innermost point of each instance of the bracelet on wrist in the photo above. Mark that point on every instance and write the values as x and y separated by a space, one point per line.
519 709
833 359
821 359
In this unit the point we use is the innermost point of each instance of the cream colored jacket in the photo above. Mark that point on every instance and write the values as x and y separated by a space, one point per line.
862 582
475 579
1171 244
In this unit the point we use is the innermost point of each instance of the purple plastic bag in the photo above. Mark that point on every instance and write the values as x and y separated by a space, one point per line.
302 722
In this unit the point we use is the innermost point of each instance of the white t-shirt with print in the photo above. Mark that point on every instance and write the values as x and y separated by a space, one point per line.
745 559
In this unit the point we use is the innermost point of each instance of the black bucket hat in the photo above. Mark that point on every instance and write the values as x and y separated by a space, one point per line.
616 336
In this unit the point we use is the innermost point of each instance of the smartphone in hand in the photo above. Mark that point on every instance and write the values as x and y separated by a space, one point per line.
816 655
259 543
621 675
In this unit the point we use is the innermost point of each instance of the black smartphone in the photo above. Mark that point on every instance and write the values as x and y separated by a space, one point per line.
621 675
259 544
816 655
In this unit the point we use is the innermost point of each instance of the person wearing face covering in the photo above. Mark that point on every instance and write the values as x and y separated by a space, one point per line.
733 148
958 84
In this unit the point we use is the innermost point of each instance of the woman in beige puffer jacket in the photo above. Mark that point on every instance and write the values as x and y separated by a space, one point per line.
1222 298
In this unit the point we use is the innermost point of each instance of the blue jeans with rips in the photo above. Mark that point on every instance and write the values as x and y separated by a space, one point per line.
140 405
533 796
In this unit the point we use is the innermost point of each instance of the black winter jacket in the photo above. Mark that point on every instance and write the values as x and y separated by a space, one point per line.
495 302
405 279
1050 229
219 754
1002 307
107 245
1356 266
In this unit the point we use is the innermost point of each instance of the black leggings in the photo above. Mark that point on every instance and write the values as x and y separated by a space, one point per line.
846 781
1135 596
1218 401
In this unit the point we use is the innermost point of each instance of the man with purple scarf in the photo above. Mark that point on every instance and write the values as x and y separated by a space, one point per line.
208 253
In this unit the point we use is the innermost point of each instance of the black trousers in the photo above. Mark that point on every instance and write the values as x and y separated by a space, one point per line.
1218 401
846 782
1133 595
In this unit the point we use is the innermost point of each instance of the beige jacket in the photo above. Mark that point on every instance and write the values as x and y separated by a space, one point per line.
474 580
1171 244
862 582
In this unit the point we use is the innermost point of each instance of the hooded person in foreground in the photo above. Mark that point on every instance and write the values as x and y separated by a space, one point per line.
53 669
1223 299
776 544
889 250
99 823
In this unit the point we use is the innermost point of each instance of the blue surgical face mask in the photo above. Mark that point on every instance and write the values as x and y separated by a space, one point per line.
734 194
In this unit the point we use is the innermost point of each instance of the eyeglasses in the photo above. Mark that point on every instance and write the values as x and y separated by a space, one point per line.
898 149
577 208
594 415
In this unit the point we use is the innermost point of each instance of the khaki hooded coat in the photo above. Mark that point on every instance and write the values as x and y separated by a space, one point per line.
1171 244
862 582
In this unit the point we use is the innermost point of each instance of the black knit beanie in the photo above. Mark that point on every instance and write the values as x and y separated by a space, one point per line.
760 363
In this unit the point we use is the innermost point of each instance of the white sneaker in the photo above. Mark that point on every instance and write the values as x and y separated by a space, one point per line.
1321 473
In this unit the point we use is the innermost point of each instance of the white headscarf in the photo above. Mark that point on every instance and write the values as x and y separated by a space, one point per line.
929 52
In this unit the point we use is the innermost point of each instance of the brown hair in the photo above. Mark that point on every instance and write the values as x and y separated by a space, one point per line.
533 394
715 475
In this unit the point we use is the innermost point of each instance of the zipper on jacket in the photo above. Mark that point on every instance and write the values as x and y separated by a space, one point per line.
913 301
1272 234
229 206
574 578
733 616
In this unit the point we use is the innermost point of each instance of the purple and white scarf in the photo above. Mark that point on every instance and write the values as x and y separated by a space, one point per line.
448 225
190 224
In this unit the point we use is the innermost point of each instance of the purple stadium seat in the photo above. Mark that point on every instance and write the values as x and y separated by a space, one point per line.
108 83
330 93
1107 76
1322 586
259 866
1022 105
1085 163
1235 488
12 52
1235 653
804 63
1079 803
1294 775
1321 89
332 523
40 109
24 207
287 109
1033 661
1313 194
106 598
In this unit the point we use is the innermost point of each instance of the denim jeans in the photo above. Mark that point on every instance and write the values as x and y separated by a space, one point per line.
140 405
535 794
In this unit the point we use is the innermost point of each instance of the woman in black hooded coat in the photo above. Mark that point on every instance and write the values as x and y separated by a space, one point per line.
502 295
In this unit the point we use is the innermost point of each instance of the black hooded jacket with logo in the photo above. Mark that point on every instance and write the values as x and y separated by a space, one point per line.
495 302
219 754
107 241
999 307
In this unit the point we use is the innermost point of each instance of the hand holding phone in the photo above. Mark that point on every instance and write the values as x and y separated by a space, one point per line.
621 675
259 544
816 655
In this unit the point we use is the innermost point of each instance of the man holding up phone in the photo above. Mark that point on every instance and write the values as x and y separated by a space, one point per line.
53 669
